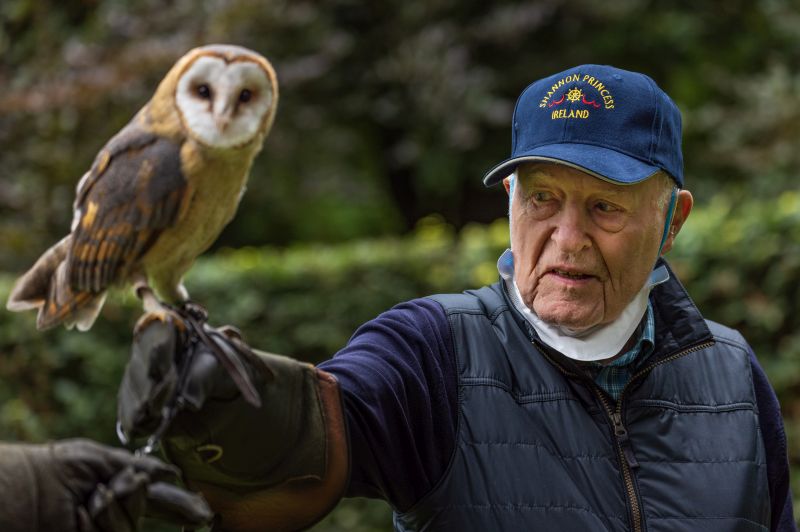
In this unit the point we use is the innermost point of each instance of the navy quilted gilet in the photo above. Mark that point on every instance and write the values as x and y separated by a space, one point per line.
540 447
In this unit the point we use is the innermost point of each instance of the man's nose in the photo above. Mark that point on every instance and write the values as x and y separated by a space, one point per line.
570 232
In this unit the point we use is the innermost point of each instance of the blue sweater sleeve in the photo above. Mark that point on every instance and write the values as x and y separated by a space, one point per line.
771 423
398 382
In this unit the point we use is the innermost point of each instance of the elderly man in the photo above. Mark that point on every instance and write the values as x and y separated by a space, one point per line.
583 391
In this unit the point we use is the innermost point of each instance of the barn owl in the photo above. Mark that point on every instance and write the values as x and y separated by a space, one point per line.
160 191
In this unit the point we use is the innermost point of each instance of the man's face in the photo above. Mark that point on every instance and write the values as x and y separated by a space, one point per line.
583 247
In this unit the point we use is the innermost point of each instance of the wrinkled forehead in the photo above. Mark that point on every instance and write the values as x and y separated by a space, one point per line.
565 176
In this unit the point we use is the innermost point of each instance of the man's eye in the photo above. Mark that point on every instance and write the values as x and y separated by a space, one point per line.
602 206
541 196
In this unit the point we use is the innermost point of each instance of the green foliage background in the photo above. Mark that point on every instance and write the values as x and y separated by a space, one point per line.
368 190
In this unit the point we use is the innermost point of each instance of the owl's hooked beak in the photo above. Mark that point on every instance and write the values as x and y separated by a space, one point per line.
222 118
222 122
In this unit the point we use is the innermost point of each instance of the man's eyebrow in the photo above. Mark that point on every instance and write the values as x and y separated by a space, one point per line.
617 190
542 177
535 175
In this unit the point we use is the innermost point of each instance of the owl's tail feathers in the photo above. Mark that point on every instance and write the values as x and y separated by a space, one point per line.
46 287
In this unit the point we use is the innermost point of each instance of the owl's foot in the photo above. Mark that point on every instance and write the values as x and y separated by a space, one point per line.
168 317
194 310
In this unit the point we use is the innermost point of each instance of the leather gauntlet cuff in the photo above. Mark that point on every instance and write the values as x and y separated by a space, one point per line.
236 446
301 500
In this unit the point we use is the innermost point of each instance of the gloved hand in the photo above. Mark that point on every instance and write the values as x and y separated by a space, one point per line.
217 436
83 486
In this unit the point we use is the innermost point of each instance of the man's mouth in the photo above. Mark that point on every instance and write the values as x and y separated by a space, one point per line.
570 274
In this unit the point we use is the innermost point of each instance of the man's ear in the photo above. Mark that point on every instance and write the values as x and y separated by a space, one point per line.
507 184
683 207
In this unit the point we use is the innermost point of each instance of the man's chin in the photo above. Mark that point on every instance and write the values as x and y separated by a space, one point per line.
575 320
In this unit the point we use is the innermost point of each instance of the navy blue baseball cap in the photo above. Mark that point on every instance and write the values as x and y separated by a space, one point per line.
611 123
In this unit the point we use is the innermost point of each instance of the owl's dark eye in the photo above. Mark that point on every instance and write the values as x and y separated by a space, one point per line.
204 91
245 95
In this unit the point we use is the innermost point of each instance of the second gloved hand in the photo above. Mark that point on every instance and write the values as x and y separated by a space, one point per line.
83 486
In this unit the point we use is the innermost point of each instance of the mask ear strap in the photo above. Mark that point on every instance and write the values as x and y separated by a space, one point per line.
511 184
670 213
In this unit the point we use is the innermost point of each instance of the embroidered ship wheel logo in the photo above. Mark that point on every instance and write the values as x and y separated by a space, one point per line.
574 95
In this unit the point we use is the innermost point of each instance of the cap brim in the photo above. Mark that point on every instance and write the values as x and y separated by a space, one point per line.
603 163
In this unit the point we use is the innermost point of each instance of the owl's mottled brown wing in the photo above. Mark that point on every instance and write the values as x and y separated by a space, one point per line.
134 190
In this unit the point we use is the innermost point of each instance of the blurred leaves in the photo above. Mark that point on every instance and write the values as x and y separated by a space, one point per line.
390 112
742 263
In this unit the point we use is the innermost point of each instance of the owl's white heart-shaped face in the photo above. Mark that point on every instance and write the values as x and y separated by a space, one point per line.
224 103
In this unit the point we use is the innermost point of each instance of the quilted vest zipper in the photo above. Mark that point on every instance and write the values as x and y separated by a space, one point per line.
627 457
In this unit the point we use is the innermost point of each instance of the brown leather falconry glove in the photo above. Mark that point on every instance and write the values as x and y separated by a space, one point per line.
281 465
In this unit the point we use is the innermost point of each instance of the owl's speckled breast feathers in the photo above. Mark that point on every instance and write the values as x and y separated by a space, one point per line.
210 205
161 190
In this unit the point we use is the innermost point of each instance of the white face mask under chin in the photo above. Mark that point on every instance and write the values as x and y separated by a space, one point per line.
596 343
